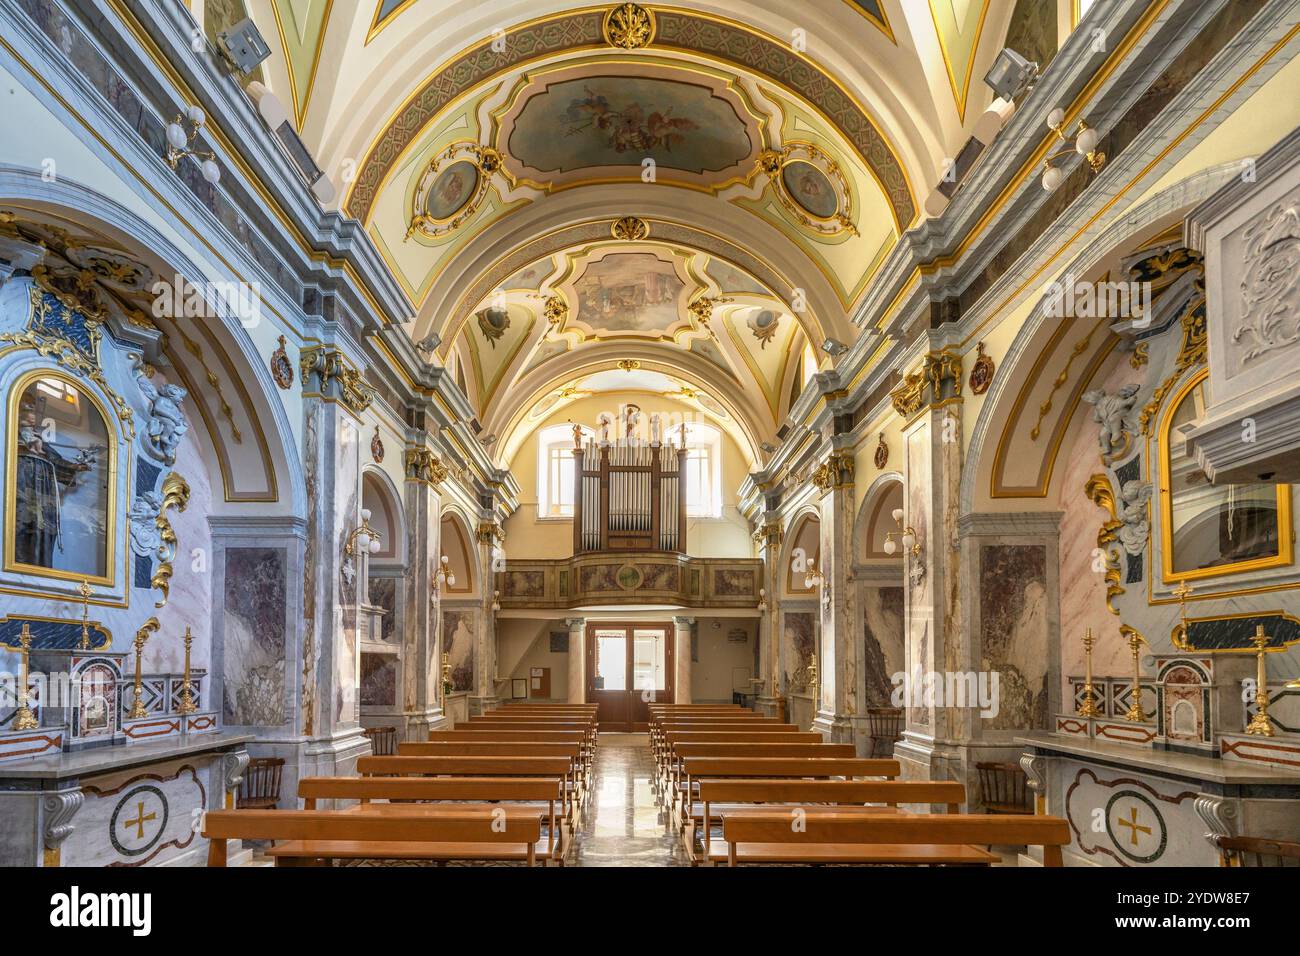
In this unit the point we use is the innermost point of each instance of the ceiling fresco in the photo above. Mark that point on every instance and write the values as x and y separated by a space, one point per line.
492 159
596 126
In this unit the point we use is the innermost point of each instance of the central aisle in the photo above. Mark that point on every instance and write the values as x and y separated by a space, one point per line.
623 826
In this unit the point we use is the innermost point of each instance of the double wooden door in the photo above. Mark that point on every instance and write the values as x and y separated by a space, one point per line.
629 667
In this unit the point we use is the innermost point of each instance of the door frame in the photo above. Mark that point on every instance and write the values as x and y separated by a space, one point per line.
589 670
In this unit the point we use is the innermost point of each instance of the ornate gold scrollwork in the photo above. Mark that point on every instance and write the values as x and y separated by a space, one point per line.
1100 492
835 472
175 494
630 229
421 464
629 26
330 366
940 374
772 163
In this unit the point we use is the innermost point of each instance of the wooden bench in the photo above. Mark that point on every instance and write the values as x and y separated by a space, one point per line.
721 797
541 793
500 748
831 836
560 767
664 755
308 837
696 768
680 750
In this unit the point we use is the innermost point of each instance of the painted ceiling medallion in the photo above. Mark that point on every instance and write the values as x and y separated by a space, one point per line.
629 26
881 457
630 229
811 186
281 367
452 188
981 373
377 447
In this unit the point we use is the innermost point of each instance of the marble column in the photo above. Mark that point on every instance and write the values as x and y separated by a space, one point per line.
422 634
836 698
768 700
577 660
935 641
334 395
682 659
485 696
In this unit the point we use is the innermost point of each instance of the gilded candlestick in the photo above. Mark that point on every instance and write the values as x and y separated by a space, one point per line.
84 591
1135 712
1260 725
24 719
187 705
1089 706
141 637
446 674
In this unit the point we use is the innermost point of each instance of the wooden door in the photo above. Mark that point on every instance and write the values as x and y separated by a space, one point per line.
629 666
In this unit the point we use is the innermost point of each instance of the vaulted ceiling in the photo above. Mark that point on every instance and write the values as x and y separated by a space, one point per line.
693 192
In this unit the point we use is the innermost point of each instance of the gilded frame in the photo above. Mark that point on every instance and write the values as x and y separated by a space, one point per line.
11 563
1168 575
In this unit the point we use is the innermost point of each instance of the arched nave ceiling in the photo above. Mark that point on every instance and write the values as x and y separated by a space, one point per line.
490 149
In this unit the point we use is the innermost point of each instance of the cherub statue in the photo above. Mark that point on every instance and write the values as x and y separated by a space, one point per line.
1110 412
1132 511
167 425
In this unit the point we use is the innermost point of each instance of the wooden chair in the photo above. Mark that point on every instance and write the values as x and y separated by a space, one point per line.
884 729
1004 788
383 740
260 788
1253 851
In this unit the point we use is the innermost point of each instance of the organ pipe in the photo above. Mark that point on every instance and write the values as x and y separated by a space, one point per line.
628 496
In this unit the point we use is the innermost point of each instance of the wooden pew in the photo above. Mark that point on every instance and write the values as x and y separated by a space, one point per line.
501 748
526 724
680 749
560 767
544 792
696 768
830 836
720 797
306 837
663 754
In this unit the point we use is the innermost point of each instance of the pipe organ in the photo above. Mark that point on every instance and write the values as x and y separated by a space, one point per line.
628 494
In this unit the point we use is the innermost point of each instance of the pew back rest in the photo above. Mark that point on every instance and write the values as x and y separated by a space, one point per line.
763 750
487 748
741 737
774 826
889 792
698 767
430 788
520 736
466 766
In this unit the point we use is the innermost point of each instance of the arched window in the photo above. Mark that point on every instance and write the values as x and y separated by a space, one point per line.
703 471
555 470
1210 529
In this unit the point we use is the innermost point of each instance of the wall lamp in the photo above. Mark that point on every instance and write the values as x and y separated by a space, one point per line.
904 535
762 599
1085 144
181 144
365 539
444 576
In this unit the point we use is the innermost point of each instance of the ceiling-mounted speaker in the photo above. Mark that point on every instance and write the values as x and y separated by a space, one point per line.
243 47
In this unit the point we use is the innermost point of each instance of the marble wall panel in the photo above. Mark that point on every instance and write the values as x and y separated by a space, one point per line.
254 638
1014 633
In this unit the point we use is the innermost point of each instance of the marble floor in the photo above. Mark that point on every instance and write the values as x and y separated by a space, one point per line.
622 825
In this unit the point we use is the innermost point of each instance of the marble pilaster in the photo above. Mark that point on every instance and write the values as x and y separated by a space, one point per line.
837 697
682 659
422 633
768 698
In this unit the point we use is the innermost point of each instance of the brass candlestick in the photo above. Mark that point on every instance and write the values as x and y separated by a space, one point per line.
1260 725
446 674
187 705
1089 707
24 719
812 676
1135 712
84 591
141 637
1180 640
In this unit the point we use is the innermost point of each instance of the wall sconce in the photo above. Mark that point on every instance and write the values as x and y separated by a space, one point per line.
1085 144
904 535
444 576
364 540
496 600
762 599
813 578
181 144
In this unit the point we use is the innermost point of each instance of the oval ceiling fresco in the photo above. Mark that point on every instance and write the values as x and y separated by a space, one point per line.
451 190
808 186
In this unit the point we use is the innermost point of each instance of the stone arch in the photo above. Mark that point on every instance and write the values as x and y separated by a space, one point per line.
456 542
874 517
382 498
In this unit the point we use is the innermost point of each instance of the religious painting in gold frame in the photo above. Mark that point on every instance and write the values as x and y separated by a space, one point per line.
60 480
1213 530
